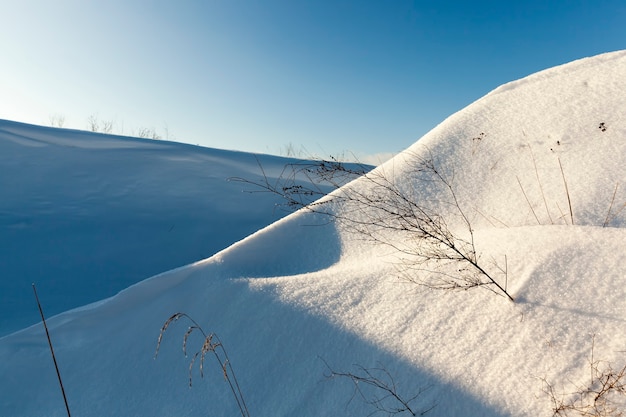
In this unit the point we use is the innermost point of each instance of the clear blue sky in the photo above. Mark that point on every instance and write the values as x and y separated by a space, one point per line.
330 76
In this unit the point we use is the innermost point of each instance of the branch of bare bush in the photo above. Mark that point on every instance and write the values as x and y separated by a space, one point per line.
379 210
377 388
604 395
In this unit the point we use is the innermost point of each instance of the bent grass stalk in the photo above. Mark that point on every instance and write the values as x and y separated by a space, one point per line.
211 344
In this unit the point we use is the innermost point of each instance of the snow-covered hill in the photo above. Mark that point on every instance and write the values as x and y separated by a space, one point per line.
537 170
85 215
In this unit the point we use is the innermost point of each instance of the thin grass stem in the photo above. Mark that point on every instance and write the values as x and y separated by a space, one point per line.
569 201
54 359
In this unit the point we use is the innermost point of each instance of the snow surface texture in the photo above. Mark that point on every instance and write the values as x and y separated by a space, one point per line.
293 297
85 215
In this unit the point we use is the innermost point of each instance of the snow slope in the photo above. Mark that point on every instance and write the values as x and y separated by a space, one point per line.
84 215
304 293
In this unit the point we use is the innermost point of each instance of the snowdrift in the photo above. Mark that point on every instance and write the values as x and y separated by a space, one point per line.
85 215
537 168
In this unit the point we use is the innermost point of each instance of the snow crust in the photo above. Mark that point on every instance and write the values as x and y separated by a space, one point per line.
303 294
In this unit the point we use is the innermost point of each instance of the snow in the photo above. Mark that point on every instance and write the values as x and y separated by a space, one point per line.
85 215
304 294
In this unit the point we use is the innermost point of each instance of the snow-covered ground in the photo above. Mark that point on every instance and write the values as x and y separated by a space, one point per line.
85 215
305 294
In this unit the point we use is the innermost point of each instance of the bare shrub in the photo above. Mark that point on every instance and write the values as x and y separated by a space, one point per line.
430 237
167 134
211 345
57 120
302 183
148 133
377 388
93 123
380 210
106 126
290 151
603 395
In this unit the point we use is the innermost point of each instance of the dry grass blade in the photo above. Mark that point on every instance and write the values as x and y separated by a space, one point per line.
610 217
54 359
569 201
543 196
191 362
527 200
224 371
608 214
207 347
186 337
167 323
